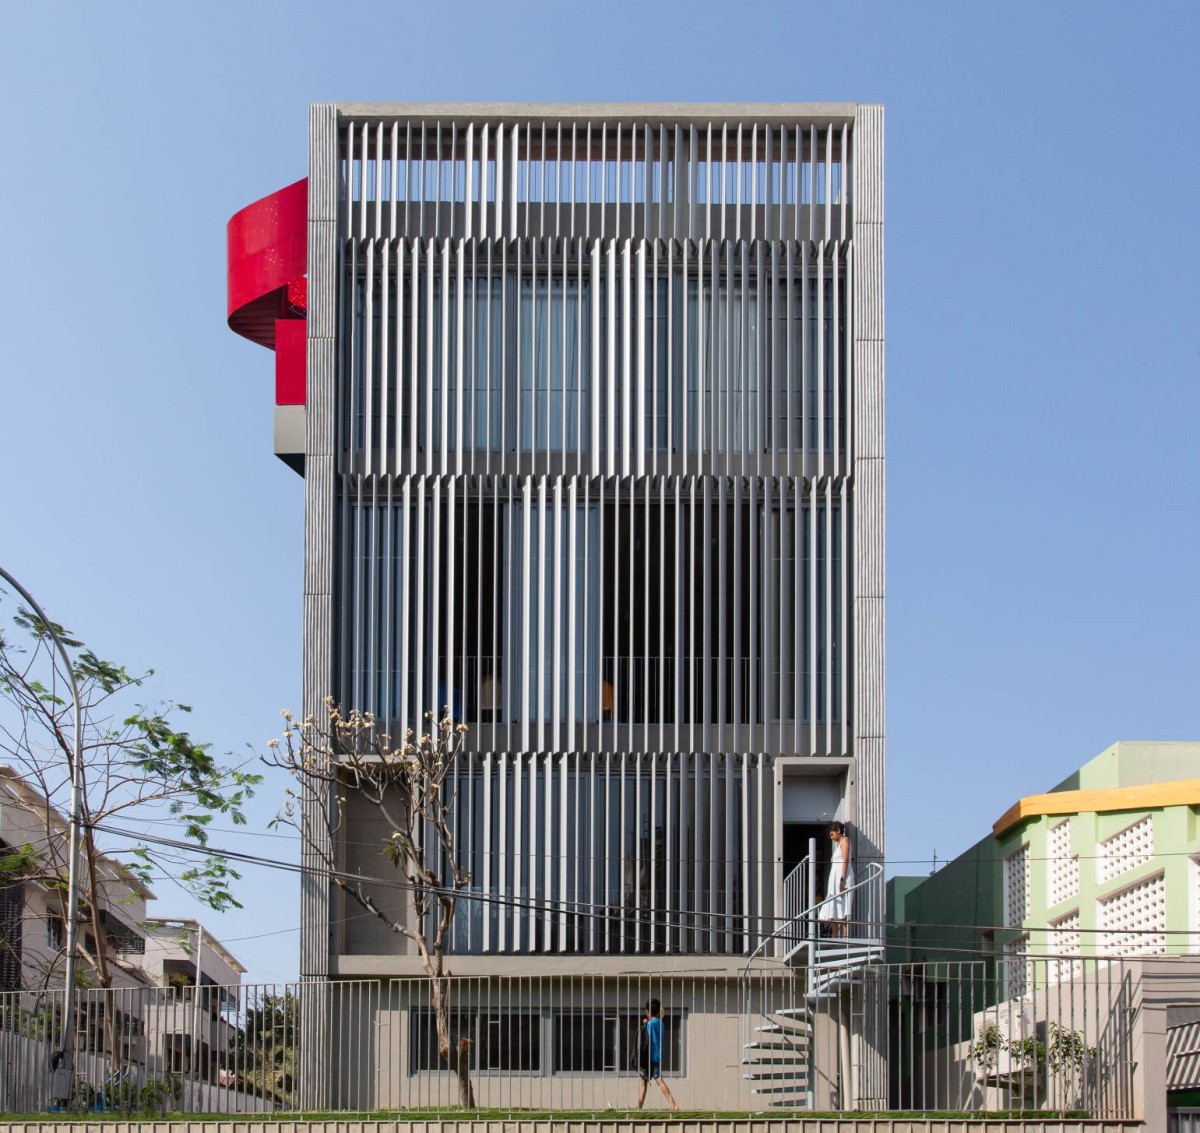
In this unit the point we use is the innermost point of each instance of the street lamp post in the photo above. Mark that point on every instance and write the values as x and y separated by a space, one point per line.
63 1063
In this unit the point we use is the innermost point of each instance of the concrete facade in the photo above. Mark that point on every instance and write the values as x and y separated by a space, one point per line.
602 403
33 927
593 448
189 1030
185 948
458 422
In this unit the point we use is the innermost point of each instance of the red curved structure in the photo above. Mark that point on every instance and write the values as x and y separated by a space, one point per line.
267 257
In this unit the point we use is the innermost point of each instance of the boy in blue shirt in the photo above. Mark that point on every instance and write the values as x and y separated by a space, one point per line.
650 1040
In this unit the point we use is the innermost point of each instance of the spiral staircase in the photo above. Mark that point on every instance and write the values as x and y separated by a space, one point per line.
794 974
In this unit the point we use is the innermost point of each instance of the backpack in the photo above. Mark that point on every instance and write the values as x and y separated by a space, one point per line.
639 1051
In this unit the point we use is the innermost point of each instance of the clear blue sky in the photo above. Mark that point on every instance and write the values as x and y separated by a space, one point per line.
1043 353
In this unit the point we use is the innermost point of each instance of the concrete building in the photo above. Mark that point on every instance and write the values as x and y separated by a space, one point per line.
1105 863
191 1028
151 1020
32 931
1024 938
588 401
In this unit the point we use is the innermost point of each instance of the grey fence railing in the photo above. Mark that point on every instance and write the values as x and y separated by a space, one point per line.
969 1035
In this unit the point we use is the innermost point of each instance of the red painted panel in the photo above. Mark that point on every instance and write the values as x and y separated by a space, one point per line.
267 247
290 363
297 297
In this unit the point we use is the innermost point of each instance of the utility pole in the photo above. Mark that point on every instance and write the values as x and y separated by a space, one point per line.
62 1064
196 1003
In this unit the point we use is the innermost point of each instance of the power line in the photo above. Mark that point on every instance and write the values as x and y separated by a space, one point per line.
887 861
594 910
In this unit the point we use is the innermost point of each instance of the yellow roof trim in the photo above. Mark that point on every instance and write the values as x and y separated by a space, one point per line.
1179 792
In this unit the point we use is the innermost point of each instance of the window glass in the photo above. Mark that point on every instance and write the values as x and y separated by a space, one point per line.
539 579
499 1040
498 360
509 1042
586 1042
423 1039
605 1042
554 364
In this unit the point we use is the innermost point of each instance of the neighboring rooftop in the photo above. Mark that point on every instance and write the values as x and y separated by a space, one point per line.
169 927
1129 775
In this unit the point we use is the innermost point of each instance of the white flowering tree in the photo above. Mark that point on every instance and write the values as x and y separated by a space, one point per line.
408 783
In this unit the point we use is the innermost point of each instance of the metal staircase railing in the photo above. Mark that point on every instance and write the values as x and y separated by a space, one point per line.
800 930
777 1001
797 887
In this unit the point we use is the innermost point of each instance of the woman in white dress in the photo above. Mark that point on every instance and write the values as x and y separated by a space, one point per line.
835 909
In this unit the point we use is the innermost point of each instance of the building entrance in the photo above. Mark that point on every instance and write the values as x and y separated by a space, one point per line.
796 838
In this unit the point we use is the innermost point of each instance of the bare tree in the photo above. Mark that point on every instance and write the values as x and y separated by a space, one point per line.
409 784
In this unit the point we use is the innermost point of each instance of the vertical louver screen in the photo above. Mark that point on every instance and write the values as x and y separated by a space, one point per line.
593 452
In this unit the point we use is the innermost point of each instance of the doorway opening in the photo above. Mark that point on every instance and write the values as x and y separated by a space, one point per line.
796 838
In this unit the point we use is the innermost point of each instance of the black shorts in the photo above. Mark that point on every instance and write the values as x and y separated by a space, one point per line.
650 1070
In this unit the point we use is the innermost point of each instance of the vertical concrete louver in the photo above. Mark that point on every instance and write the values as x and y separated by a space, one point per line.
319 582
869 712
319 490
595 458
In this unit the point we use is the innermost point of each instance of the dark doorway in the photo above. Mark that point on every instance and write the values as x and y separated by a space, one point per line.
796 837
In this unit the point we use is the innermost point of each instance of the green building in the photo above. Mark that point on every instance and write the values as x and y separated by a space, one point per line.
1106 863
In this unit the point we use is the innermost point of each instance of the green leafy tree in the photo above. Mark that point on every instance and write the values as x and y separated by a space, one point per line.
408 784
1066 1055
138 763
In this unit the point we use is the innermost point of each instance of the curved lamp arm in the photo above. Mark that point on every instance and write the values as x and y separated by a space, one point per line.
63 1062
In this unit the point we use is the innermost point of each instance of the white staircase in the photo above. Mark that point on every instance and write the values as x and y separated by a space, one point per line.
777 1059
836 961
777 1055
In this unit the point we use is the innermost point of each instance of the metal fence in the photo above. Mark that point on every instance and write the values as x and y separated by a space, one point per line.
1020 1033
960 1036
176 1049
